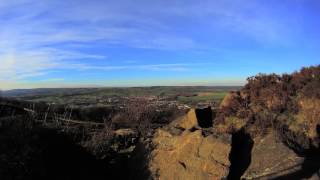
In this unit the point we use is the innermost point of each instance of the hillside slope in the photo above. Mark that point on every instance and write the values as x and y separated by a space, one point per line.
287 106
269 129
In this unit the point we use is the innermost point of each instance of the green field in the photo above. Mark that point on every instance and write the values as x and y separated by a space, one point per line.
204 97
183 94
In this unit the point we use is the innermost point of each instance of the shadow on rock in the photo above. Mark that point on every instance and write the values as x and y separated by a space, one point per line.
311 163
240 155
204 117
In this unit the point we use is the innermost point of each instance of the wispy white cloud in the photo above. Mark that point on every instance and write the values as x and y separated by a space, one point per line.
148 67
15 68
38 37
143 24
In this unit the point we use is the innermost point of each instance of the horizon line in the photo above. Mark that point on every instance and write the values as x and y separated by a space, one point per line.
102 87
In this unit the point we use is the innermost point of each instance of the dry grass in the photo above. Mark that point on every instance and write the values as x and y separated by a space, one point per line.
308 117
231 124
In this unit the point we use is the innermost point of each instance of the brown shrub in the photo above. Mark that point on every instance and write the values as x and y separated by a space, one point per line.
266 98
143 116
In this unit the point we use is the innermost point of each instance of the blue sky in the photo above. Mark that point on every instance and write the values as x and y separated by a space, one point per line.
72 43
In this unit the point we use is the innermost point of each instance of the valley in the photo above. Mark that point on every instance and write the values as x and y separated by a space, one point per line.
268 129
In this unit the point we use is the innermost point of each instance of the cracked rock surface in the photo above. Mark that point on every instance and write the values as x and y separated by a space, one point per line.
189 155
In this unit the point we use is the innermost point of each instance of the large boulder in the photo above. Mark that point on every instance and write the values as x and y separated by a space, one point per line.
189 155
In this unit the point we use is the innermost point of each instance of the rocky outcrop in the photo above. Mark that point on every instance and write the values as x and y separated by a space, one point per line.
270 158
188 154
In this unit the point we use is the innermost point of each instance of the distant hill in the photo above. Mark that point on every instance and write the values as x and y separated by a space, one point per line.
154 90
46 91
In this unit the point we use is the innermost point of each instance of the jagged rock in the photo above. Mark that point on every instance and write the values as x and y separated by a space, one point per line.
189 156
195 118
188 121
270 158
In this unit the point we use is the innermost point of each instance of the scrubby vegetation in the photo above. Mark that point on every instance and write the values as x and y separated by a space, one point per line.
285 105
30 151
269 100
37 137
